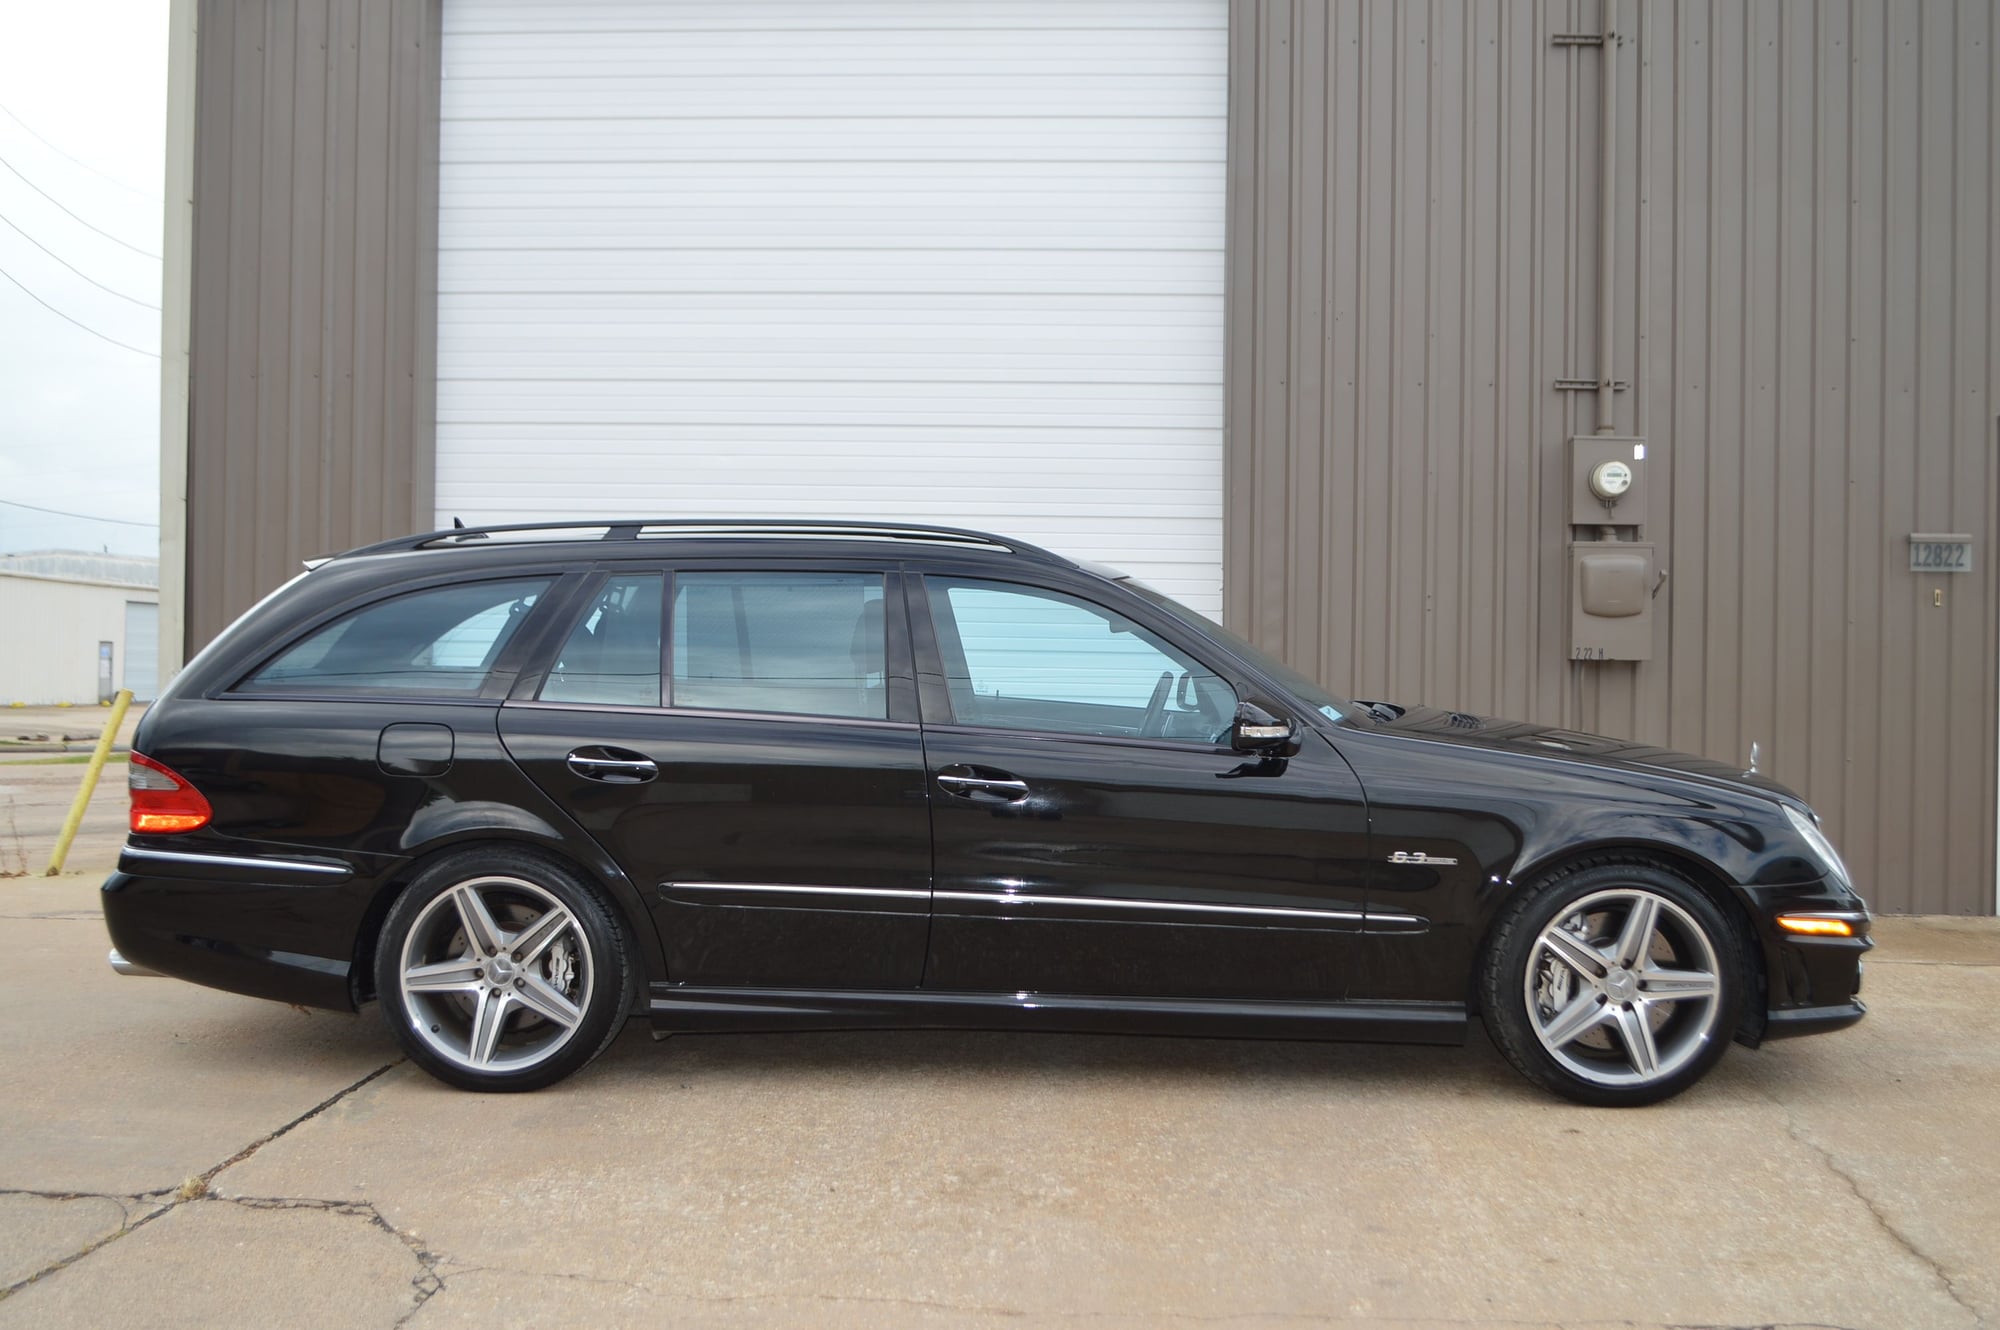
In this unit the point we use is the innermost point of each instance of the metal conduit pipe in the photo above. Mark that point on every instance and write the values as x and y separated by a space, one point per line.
1607 196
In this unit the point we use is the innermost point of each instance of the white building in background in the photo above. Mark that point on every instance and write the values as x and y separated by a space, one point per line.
77 627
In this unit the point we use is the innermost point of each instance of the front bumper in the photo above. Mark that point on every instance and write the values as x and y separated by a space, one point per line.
1812 984
1794 1021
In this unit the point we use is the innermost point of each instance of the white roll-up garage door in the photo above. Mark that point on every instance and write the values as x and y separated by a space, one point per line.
936 260
142 649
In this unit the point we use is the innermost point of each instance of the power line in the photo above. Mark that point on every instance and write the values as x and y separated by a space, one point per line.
72 267
78 322
88 517
58 202
131 189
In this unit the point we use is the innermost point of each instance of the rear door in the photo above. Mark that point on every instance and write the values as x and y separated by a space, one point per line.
743 739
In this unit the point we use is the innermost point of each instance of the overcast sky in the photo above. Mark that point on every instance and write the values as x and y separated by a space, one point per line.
79 417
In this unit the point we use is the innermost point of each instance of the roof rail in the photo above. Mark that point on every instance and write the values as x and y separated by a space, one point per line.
668 528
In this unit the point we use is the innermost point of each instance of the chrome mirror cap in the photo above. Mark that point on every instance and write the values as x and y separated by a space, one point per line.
1258 731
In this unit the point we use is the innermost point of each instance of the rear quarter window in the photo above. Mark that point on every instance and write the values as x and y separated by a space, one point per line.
441 642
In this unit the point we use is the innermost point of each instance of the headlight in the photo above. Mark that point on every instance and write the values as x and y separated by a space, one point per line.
1829 857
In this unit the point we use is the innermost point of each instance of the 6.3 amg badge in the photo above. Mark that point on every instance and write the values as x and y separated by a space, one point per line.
1414 857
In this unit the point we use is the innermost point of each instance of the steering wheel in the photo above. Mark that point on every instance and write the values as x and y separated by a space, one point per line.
1155 723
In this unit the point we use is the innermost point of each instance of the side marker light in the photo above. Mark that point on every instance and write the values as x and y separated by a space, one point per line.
1807 925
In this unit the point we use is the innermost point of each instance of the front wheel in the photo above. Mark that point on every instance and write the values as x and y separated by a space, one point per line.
1613 983
499 970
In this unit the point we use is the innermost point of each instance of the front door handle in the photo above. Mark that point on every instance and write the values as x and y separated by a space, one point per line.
968 782
613 766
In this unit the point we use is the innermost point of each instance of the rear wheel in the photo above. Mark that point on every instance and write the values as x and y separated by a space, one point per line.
499 970
1613 983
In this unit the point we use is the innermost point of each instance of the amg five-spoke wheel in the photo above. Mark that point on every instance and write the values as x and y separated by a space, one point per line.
1623 983
504 995
1624 988
501 972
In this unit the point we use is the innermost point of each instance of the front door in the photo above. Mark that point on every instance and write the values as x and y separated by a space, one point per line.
1095 834
765 790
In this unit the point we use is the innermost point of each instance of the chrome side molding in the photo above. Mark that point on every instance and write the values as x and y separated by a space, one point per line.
236 861
1392 920
799 889
1372 920
1129 903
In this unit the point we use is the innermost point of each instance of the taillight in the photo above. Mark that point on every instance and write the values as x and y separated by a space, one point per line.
162 800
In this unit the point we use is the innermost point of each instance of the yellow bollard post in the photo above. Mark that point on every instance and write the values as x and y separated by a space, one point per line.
90 775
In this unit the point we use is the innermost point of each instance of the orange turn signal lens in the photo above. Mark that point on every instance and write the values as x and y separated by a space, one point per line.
160 824
1815 926
163 802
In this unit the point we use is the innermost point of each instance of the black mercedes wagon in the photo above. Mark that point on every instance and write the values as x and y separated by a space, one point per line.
517 784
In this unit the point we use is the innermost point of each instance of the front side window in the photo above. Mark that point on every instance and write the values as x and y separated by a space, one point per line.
437 643
1308 690
613 654
1023 658
800 643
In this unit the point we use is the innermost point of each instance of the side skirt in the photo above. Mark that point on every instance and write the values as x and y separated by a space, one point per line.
679 1008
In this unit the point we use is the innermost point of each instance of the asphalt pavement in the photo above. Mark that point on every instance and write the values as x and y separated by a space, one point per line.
175 1156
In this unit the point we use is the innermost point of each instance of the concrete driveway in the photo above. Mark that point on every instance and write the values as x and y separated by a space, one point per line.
174 1156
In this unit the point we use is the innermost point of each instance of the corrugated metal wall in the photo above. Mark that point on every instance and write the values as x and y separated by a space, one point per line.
314 328
1808 268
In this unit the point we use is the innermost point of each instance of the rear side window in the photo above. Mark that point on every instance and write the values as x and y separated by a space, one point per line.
803 643
436 643
613 654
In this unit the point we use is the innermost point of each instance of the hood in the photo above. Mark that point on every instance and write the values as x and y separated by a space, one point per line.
1515 736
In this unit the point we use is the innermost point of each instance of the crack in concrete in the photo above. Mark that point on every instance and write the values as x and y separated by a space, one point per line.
1896 1235
127 1225
426 1284
167 1199
322 1106
124 1203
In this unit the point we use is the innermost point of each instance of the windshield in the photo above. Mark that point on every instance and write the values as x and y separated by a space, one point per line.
1329 705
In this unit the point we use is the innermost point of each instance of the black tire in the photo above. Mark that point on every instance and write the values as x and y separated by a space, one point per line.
519 1015
1591 1039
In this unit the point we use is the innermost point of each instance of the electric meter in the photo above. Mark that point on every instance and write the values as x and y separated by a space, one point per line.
1609 480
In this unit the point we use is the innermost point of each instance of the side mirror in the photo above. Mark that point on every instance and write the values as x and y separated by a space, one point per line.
1258 731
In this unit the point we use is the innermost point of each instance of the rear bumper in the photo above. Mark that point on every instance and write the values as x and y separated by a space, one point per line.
237 928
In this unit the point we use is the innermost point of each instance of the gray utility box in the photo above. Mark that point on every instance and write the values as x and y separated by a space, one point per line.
1611 600
1588 452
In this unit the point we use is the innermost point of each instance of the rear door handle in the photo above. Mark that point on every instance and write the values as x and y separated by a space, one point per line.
966 782
613 766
